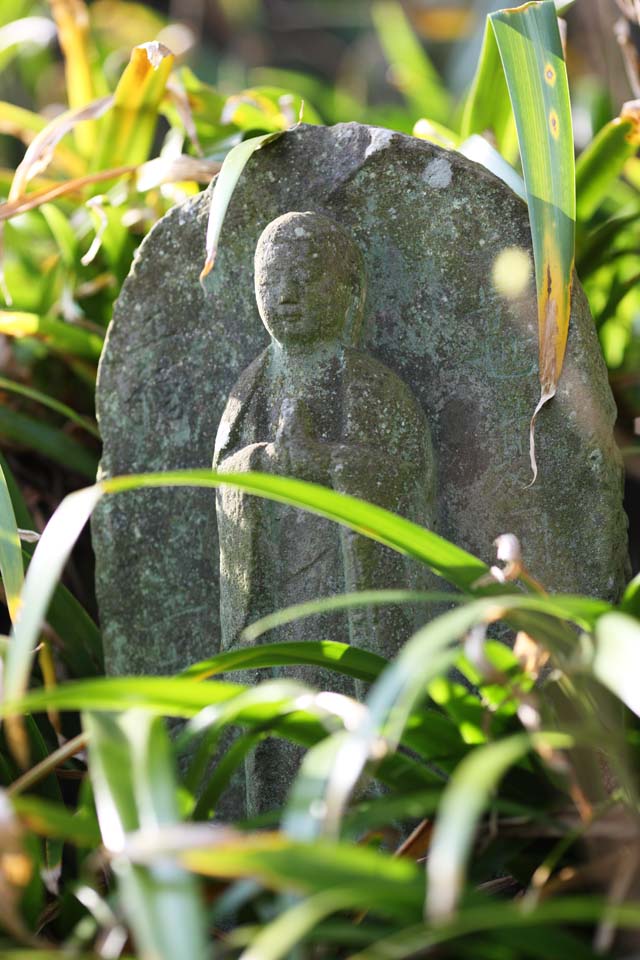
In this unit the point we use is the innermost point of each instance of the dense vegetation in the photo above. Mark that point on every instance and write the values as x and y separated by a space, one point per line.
509 822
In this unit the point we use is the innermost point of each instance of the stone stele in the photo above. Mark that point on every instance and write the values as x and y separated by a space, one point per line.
435 231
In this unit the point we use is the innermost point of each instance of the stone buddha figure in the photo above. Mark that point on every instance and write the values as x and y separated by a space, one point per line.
316 407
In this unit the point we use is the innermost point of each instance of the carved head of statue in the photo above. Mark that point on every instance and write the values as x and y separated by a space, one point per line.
310 280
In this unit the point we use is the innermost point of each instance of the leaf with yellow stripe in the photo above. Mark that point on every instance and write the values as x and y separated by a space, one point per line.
528 41
127 133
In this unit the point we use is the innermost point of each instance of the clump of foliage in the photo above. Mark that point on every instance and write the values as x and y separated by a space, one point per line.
508 823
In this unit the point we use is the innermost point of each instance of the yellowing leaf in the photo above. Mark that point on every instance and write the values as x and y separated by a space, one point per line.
127 134
528 41
72 21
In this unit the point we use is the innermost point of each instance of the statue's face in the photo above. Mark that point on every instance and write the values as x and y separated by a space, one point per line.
302 296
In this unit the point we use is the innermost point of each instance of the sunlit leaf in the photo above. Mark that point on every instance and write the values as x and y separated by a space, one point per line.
50 819
11 569
44 571
479 150
126 135
72 21
616 660
63 338
463 801
233 165
376 880
530 49
603 159
487 109
330 654
135 788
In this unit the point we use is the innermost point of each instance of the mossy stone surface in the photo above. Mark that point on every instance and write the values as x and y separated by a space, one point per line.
430 225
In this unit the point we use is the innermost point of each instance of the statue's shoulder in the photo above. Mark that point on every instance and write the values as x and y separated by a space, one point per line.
383 386
245 385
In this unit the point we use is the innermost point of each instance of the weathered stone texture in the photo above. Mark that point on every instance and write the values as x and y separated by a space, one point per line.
430 225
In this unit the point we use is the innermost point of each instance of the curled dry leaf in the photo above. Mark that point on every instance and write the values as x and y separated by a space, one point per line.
531 655
36 199
40 151
180 99
161 170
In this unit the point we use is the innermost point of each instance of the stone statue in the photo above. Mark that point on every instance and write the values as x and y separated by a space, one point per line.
315 407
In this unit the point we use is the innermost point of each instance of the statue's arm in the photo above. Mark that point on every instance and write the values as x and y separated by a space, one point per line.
235 430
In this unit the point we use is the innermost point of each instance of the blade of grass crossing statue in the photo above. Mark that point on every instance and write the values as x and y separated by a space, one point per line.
530 49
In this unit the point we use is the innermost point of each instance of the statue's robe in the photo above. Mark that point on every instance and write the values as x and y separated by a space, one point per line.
352 425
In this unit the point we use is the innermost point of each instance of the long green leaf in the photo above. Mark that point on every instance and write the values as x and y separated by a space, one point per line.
135 788
11 569
487 108
456 565
50 441
391 886
616 661
530 48
50 402
562 911
44 571
603 159
412 71
329 654
463 801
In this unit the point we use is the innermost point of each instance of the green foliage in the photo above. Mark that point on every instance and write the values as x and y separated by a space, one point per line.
518 771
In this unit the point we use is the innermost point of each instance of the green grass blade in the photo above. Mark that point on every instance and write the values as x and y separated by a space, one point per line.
463 801
451 562
11 569
603 159
278 938
346 601
135 788
528 41
48 818
456 565
51 402
390 885
50 441
616 661
44 572
412 70
487 108
329 654
561 911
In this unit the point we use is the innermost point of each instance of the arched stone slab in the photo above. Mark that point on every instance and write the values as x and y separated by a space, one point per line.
430 224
